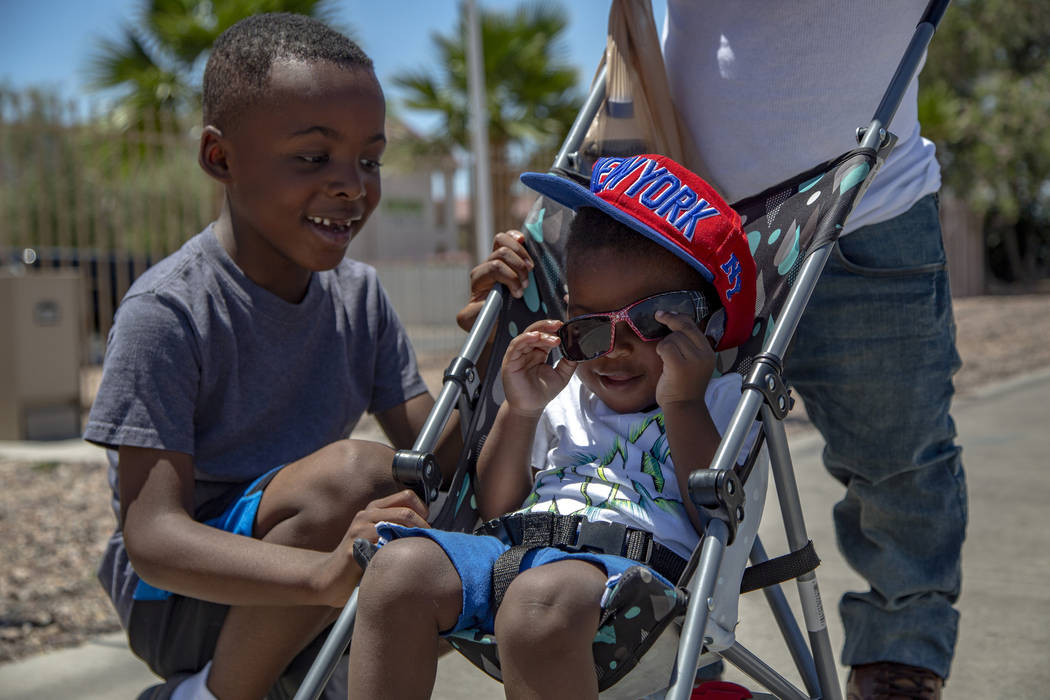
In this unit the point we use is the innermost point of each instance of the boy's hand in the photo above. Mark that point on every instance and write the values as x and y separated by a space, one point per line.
508 264
341 572
689 361
401 508
528 381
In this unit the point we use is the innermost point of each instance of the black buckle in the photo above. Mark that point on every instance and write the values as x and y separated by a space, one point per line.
630 543
513 526
606 538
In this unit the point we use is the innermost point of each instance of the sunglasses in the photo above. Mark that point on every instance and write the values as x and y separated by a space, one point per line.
590 336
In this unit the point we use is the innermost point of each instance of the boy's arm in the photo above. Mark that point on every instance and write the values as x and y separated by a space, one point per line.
688 363
503 474
529 384
693 439
171 551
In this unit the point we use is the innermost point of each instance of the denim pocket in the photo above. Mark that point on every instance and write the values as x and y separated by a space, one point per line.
909 244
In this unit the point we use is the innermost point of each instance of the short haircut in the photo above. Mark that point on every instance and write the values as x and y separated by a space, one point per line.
238 69
592 230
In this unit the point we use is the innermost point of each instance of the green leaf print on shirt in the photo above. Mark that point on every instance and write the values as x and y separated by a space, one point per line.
617 449
599 487
614 501
669 505
651 467
658 454
639 428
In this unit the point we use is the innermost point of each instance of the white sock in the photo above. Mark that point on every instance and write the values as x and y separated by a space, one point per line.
194 688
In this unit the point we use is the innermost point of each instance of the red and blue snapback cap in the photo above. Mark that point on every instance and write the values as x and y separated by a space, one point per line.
676 209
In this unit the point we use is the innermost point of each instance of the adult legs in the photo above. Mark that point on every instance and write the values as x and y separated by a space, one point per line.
873 360
409 594
545 628
309 504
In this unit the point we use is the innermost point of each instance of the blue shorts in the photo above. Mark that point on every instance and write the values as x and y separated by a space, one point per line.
173 633
473 556
237 517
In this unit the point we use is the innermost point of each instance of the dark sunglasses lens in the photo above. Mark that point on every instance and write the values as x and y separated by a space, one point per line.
643 315
585 338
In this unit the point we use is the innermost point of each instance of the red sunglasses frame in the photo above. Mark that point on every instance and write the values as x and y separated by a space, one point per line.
701 310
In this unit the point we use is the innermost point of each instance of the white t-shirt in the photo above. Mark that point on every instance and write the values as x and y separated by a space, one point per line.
771 88
616 467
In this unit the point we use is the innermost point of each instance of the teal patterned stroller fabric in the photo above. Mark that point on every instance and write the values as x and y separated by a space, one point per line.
783 224
636 609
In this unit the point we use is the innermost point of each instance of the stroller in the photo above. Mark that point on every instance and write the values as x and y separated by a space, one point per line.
790 228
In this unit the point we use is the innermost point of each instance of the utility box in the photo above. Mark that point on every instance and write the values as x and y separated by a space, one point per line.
40 353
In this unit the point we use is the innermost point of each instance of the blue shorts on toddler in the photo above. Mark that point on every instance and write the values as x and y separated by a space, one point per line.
473 556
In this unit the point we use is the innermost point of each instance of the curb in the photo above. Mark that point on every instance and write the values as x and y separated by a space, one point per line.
74 450
1008 385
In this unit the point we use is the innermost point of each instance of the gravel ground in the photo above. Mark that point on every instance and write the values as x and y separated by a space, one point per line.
1000 337
55 518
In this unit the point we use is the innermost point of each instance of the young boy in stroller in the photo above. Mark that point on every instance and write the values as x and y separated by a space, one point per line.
659 277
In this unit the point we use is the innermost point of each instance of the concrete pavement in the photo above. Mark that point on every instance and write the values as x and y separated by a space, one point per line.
1004 640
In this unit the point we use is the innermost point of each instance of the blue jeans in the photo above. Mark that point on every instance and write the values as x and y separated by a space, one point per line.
873 361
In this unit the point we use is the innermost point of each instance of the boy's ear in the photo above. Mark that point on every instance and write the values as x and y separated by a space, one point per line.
212 156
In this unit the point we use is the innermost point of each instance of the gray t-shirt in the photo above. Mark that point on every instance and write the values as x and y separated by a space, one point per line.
202 360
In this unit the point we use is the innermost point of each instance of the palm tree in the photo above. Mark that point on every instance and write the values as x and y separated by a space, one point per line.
154 63
530 88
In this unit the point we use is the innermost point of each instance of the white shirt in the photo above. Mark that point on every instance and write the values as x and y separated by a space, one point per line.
616 467
771 88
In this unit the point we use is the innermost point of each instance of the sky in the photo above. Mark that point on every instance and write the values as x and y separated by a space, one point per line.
46 43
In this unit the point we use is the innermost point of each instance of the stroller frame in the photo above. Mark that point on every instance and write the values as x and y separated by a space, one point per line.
764 394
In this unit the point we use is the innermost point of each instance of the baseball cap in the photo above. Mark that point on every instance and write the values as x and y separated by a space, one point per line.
677 209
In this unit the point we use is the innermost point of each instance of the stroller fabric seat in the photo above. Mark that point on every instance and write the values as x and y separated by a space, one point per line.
634 649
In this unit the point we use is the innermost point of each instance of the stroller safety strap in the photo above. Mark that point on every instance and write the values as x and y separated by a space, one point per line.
780 569
574 533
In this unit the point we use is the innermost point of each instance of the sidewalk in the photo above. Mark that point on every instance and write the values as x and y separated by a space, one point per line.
1005 629
74 450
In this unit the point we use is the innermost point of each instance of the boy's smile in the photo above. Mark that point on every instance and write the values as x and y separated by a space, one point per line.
625 379
302 173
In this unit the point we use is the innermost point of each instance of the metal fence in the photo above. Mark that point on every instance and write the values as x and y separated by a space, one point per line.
95 193
109 197
426 298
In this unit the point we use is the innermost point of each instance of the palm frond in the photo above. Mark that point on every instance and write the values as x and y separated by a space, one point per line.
118 61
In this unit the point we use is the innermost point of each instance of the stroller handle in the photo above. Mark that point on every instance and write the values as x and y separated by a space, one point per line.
906 70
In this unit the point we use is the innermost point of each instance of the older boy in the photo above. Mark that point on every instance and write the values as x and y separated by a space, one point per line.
237 366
